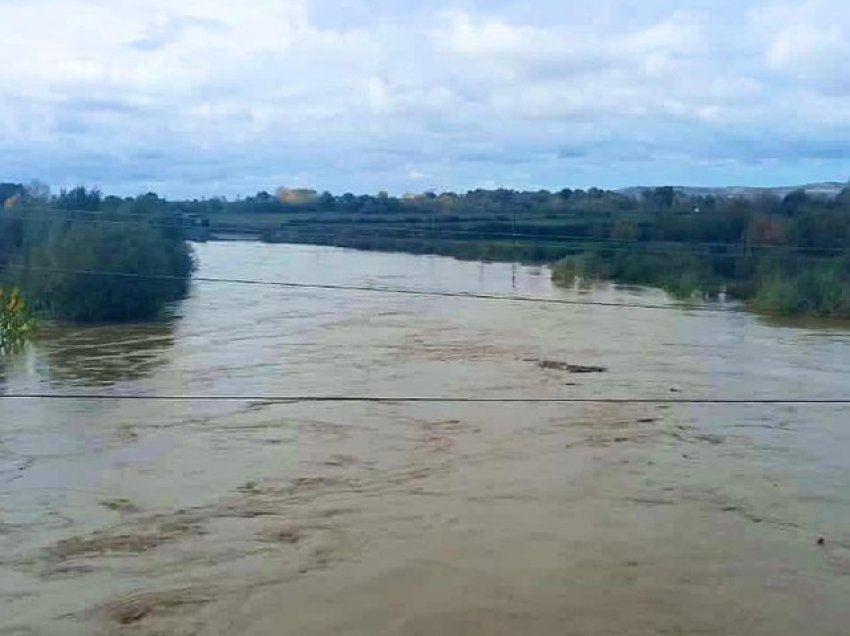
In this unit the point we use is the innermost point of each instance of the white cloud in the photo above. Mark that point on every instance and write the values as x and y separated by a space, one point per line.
658 69
808 42
216 94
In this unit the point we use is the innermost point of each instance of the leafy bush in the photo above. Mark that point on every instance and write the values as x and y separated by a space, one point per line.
820 291
679 273
773 284
100 273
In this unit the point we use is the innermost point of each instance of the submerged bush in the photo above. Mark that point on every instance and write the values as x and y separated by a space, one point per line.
100 273
781 284
823 291
679 273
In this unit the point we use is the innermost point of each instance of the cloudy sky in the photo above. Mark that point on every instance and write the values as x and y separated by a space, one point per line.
222 97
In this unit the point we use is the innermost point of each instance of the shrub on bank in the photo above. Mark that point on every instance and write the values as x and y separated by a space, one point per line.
820 291
783 285
87 272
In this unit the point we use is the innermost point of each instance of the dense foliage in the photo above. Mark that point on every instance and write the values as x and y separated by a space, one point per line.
787 285
785 253
73 266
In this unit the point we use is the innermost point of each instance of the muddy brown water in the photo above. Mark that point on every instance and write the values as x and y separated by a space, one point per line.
265 519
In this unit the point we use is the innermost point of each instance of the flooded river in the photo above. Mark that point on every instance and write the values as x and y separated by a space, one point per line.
258 518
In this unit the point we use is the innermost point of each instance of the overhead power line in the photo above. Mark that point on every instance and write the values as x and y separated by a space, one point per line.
294 399
370 289
307 235
508 235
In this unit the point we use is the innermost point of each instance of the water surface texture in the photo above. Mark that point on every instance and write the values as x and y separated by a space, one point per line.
364 518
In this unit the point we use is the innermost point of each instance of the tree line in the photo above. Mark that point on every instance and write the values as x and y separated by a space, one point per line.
787 254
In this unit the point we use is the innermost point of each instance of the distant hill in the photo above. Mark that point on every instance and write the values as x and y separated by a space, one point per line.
826 189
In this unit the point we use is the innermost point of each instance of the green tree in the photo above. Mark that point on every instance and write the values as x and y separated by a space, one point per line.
103 273
79 199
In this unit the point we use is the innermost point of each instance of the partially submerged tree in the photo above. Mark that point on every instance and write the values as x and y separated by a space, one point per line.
16 323
104 273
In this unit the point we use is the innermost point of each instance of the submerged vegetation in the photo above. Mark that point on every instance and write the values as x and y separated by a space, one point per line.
784 285
72 266
781 254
